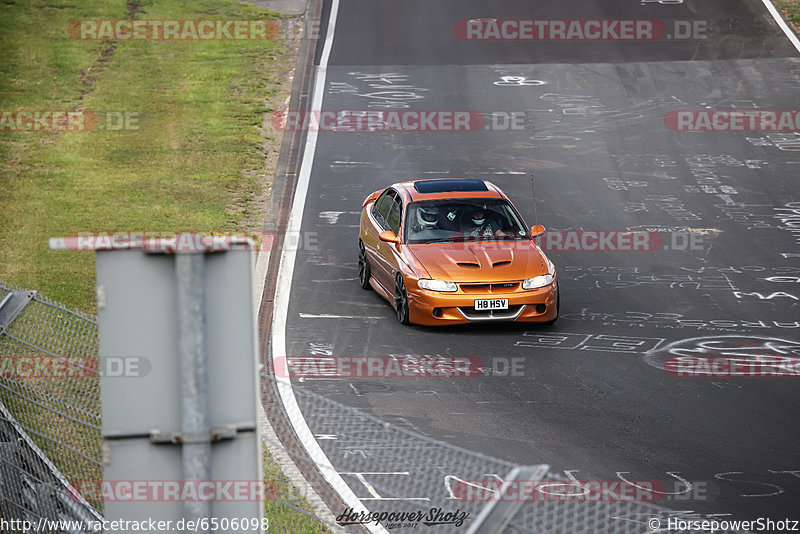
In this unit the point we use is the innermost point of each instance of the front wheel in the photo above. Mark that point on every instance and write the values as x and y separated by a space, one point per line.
401 300
364 271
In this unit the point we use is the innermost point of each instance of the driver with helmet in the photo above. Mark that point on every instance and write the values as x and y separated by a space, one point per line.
427 218
480 224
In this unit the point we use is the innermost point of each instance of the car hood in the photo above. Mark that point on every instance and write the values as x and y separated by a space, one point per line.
481 262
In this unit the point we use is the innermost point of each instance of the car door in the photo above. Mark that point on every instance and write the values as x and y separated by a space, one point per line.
376 223
387 254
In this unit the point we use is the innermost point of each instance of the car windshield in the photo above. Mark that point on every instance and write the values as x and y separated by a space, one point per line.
458 220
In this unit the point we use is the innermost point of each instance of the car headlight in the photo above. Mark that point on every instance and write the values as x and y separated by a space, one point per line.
437 285
538 281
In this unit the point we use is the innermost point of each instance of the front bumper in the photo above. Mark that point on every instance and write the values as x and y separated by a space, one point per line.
438 308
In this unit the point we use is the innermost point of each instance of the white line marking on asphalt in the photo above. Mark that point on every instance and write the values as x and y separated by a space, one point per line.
332 217
283 289
331 316
287 465
786 29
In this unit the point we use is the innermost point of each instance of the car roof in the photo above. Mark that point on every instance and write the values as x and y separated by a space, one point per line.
441 188
448 185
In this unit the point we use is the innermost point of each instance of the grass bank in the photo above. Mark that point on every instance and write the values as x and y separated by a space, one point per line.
791 12
191 155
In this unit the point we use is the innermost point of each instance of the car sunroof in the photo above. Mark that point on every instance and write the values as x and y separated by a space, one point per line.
448 185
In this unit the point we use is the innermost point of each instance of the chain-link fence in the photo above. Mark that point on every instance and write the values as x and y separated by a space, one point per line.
50 435
49 408
394 470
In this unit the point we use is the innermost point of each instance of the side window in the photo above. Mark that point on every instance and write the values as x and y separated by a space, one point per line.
382 207
395 215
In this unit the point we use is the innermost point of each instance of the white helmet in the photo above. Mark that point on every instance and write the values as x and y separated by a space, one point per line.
427 217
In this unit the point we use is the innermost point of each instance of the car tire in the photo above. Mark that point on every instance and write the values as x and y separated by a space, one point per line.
401 300
364 271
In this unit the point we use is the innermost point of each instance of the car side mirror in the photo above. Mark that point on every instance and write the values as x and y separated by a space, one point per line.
537 230
389 237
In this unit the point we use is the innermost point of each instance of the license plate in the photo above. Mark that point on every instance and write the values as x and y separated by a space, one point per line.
491 304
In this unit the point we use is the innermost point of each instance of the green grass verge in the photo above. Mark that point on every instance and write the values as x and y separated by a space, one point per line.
196 161
791 12
283 517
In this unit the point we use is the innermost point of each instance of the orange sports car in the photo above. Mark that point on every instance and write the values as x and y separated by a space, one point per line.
452 251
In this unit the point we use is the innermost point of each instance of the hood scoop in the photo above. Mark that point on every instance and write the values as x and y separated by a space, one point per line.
467 264
501 263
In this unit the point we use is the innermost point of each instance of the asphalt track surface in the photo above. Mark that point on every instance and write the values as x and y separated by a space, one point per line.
592 396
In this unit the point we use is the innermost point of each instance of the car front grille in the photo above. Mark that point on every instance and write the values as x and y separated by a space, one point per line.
471 314
497 287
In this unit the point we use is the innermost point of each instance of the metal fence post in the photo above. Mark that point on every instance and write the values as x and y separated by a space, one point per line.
497 514
196 442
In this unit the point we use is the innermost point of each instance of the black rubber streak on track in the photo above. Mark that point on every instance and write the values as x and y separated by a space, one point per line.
593 127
